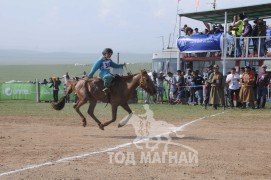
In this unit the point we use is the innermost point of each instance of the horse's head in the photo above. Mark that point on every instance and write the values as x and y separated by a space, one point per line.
146 83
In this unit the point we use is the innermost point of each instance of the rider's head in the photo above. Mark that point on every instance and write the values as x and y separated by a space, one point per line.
107 52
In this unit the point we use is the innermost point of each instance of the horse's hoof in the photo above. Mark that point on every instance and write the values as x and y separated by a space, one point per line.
101 126
84 123
119 126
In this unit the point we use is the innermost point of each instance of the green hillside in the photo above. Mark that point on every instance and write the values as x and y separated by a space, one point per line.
31 72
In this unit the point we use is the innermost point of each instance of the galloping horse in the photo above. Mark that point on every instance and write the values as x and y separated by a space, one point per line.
120 92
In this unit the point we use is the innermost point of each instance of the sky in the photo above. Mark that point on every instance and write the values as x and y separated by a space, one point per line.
88 26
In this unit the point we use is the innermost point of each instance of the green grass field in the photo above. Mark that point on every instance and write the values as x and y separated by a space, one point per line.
161 111
31 72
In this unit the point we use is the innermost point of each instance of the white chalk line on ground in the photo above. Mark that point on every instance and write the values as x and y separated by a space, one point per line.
35 166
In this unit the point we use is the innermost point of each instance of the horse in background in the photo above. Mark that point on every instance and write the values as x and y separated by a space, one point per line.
120 92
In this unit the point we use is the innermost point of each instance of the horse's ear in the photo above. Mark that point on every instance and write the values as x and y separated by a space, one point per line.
143 72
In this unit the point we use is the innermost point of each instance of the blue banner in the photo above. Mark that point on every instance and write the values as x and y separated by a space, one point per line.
200 43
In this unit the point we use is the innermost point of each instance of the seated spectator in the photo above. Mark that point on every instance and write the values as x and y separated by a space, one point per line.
184 28
219 29
196 31
188 31
206 32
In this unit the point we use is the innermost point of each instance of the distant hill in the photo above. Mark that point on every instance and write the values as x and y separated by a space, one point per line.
22 57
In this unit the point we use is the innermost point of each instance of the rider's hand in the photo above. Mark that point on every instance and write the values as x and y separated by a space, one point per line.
124 64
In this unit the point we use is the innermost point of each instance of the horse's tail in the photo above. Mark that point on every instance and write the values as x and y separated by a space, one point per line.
61 103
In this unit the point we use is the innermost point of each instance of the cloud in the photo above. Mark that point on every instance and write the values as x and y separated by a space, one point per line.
106 8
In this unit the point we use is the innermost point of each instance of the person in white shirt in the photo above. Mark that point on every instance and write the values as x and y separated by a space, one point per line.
172 88
160 87
66 78
234 86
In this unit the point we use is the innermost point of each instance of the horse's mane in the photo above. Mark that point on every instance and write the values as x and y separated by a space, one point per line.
129 76
122 77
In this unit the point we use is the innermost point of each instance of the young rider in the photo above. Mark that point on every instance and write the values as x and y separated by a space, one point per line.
104 64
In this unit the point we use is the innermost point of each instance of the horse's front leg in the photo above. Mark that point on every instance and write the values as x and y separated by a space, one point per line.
76 107
92 105
114 115
126 108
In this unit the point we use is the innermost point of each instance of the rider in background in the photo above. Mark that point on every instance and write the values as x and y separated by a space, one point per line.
104 64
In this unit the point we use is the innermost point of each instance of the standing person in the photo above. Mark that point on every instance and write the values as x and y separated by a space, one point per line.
198 82
246 93
237 31
84 74
153 76
180 83
255 74
255 32
230 41
160 87
263 80
262 32
66 78
217 88
234 87
104 63
188 78
44 81
208 85
247 32
242 71
171 80
55 84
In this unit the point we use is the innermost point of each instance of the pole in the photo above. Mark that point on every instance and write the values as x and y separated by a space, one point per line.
224 49
37 91
178 53
118 57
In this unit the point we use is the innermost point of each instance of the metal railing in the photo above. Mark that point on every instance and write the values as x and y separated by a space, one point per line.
247 47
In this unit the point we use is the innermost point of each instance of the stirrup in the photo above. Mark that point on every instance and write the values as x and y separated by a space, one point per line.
106 91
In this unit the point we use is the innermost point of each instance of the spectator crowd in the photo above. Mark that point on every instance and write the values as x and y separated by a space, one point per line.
245 88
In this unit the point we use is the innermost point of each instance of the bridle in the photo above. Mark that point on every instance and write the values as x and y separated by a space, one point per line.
142 81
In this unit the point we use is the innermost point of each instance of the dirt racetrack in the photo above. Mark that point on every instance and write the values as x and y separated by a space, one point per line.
228 147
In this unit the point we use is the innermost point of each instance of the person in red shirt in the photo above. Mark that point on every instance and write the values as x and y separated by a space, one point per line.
262 82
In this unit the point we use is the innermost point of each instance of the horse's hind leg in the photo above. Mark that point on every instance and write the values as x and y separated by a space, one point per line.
91 108
76 107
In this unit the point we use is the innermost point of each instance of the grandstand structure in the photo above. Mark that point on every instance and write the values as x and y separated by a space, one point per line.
224 16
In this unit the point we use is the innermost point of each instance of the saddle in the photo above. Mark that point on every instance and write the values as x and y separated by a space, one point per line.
116 78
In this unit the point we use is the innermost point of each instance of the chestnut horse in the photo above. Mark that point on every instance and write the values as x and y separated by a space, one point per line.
120 92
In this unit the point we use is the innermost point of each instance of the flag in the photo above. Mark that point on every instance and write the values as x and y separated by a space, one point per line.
197 4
